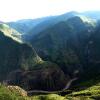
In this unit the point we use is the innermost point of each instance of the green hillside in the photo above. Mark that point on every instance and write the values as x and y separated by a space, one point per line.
15 55
20 65
66 43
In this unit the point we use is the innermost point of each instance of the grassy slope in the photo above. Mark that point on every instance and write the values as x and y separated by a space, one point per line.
91 91
6 94
87 90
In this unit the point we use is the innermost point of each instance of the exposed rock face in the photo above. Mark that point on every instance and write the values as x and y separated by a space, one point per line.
48 78
18 90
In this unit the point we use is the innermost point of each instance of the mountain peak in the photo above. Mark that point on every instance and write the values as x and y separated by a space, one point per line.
83 19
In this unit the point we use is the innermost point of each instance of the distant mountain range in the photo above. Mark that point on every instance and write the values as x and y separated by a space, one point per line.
24 25
34 26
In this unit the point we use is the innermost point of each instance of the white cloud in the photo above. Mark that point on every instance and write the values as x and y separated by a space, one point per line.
19 9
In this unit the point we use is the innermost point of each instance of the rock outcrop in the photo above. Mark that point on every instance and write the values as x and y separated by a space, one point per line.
17 89
46 76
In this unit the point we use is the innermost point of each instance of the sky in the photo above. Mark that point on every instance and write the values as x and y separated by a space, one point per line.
11 10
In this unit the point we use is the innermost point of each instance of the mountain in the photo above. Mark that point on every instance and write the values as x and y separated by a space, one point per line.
10 32
15 55
61 59
56 19
45 76
92 14
48 23
65 43
24 25
20 65
30 27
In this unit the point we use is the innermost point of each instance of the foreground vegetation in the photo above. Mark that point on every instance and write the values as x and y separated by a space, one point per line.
84 93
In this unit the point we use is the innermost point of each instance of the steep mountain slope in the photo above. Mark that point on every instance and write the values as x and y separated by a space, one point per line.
43 77
95 41
8 31
20 65
15 55
33 26
65 43
93 54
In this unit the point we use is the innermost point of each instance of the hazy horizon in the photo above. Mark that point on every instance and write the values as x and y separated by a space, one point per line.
13 10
